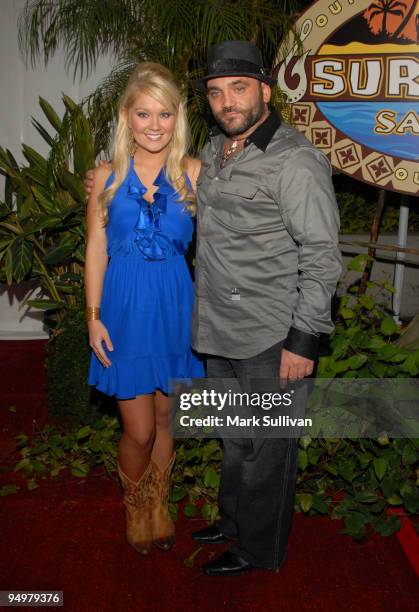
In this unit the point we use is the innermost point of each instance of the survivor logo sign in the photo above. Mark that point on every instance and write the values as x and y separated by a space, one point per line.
354 88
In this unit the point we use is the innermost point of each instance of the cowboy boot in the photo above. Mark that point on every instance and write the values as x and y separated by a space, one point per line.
162 527
137 504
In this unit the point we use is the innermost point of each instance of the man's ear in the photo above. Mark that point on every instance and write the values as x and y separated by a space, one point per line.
266 92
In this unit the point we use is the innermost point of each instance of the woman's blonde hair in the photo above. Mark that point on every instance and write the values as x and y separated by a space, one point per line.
156 81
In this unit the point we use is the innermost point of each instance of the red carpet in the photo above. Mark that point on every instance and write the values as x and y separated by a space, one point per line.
69 535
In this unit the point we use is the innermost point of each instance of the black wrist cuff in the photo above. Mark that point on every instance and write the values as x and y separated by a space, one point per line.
302 343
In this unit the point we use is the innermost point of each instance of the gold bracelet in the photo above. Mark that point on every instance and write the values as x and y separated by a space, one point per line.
92 313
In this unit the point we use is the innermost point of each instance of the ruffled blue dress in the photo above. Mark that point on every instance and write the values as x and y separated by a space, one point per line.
147 295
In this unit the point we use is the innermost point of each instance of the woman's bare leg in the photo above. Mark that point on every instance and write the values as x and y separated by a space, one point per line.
139 433
162 526
163 443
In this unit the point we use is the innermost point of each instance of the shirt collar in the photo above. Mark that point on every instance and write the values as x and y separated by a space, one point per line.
262 136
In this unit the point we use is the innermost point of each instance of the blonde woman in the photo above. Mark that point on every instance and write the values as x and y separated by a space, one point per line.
139 292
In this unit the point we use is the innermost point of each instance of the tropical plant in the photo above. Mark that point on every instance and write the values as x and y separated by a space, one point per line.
42 218
361 345
176 33
42 238
360 479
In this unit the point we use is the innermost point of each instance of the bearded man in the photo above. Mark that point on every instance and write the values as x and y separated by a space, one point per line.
267 264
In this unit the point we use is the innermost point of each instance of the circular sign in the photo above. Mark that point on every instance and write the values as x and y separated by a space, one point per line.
354 87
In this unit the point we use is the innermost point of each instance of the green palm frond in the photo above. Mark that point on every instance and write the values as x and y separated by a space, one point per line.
176 33
172 29
85 29
102 103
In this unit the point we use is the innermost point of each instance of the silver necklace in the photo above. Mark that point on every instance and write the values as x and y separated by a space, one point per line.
230 151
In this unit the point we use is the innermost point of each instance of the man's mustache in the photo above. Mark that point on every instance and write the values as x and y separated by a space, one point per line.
229 109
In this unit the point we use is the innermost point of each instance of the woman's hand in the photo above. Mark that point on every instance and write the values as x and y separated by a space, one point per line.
98 334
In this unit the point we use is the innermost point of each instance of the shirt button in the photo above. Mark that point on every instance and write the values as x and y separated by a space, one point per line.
216 178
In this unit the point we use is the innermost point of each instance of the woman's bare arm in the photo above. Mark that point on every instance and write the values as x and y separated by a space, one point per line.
96 262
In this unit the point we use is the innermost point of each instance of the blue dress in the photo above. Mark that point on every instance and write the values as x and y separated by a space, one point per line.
147 295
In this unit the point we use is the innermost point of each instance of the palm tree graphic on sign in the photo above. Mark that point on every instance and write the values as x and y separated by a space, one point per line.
392 8
385 8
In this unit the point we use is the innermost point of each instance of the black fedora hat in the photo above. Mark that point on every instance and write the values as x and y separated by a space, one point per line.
234 58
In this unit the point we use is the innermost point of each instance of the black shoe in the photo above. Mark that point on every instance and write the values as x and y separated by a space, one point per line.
210 535
227 564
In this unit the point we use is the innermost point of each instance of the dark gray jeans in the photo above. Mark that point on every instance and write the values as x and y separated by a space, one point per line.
257 488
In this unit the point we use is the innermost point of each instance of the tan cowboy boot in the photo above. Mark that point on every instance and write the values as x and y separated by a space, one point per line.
162 526
137 502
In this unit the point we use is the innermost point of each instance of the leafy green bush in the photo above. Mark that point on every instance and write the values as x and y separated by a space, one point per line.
71 402
358 481
42 219
360 346
42 238
357 210
373 474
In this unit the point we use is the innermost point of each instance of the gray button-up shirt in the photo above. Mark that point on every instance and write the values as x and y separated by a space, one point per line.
267 259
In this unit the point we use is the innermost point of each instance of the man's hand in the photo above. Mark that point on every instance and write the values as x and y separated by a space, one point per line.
89 178
294 367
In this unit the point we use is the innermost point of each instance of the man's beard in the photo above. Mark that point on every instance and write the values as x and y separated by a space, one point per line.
250 117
